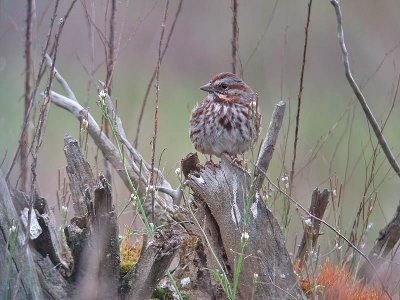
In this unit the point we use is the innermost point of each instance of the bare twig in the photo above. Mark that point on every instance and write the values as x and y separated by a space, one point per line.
299 98
33 95
111 48
27 96
60 79
89 16
150 84
110 62
153 149
370 117
235 34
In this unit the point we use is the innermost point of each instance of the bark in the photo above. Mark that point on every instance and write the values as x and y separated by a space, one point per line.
88 266
384 251
153 264
21 260
220 195
319 203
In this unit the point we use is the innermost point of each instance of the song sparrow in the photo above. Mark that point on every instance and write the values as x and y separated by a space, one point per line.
227 120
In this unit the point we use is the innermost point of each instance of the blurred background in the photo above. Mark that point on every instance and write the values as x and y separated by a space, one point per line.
335 141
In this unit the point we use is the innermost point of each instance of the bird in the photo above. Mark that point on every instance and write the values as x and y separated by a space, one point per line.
227 120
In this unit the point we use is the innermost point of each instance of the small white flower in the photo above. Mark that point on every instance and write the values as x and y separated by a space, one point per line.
13 228
85 124
245 236
178 171
102 94
132 197
334 193
185 281
150 188
308 222
255 276
285 179
283 276
64 209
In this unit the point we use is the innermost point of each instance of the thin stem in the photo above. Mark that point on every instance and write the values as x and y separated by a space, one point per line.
153 150
235 34
142 213
150 84
357 91
299 98
28 66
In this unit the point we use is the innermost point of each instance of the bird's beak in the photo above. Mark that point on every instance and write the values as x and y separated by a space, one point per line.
207 88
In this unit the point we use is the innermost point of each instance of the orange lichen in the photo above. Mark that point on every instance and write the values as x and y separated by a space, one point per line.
334 282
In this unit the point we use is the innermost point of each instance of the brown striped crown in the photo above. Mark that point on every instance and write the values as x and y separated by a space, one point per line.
229 87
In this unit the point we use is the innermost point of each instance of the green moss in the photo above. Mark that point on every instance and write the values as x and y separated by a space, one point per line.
161 294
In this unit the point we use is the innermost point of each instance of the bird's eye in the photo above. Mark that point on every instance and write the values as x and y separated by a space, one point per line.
224 86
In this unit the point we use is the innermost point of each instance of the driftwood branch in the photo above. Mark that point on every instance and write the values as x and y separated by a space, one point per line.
220 194
319 202
357 91
268 146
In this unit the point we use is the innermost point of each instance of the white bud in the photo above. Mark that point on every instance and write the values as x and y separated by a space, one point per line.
245 236
85 124
102 94
185 281
13 229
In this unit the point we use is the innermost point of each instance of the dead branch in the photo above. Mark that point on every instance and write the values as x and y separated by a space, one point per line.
357 91
95 232
81 180
64 84
268 146
319 202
